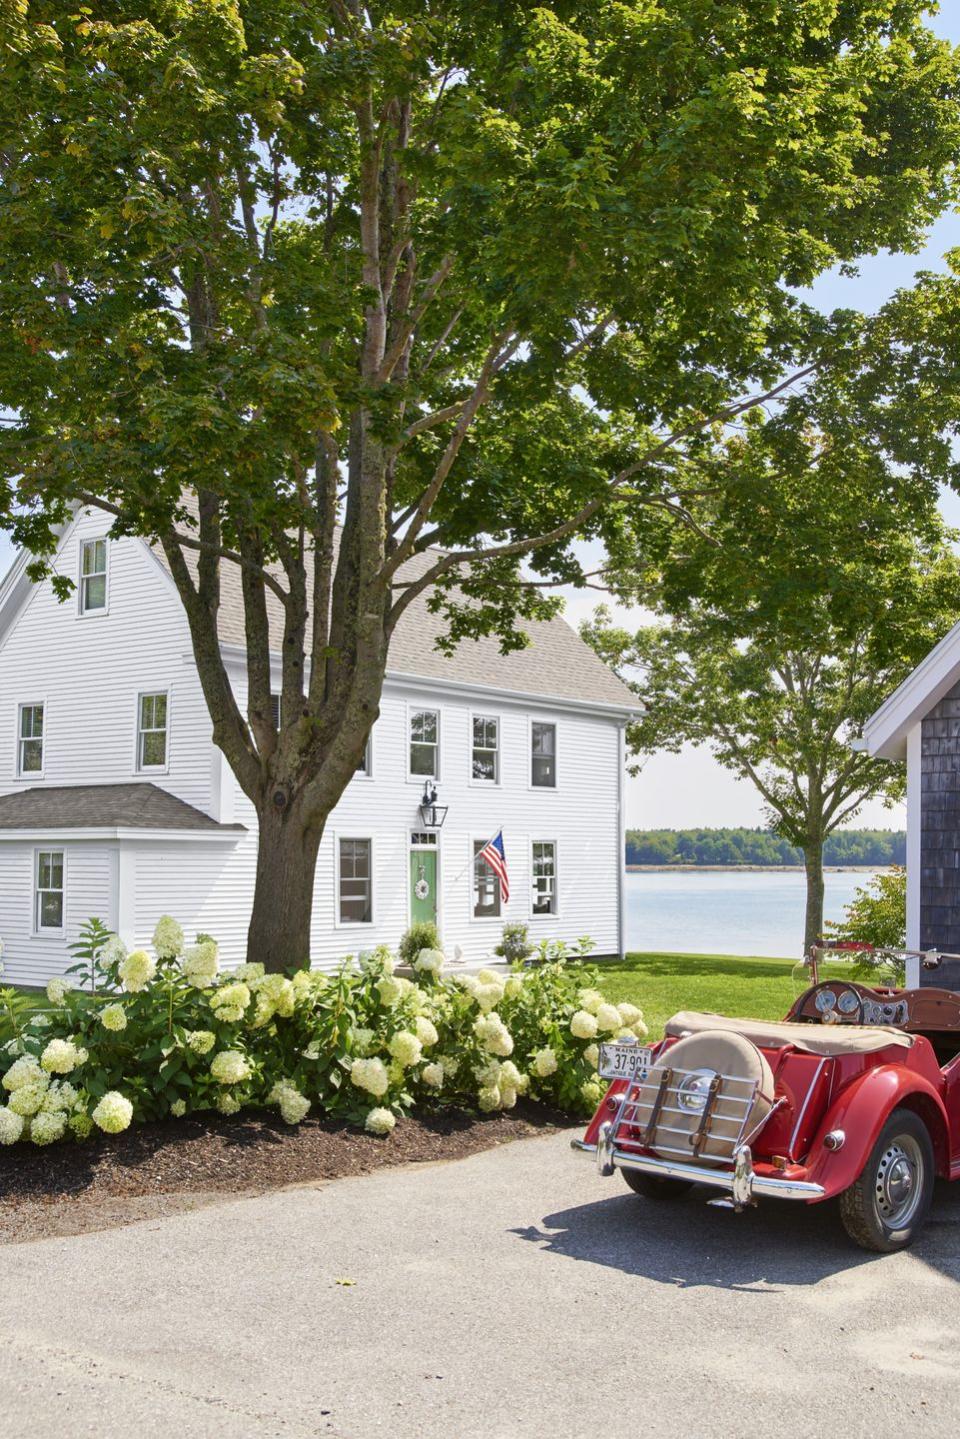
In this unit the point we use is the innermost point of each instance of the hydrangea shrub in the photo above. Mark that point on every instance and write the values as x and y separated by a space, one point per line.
165 1033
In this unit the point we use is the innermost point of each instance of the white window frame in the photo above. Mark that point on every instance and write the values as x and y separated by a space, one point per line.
83 611
543 788
501 916
366 774
534 915
363 924
486 716
413 709
30 774
151 768
36 928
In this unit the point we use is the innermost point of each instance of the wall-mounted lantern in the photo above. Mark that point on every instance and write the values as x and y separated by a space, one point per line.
432 814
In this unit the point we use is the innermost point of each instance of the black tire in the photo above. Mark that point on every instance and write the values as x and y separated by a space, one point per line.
651 1186
884 1210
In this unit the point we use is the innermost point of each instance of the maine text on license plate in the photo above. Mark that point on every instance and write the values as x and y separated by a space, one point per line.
624 1061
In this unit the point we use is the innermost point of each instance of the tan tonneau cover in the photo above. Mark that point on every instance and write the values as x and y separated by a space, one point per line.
828 1039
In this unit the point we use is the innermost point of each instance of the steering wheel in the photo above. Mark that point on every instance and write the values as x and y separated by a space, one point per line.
837 1003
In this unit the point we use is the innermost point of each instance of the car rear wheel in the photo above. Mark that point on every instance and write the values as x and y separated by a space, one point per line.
651 1186
886 1207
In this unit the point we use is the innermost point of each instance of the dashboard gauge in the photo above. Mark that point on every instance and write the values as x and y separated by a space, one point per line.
826 999
848 1001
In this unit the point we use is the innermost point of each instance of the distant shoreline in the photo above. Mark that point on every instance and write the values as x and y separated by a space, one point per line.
751 868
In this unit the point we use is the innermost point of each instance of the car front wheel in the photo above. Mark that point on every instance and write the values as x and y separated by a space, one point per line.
885 1208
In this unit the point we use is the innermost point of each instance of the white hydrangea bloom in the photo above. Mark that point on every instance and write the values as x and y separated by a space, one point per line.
47 1127
167 938
371 1075
608 1018
228 1103
201 1041
591 1091
451 1065
249 973
489 1098
113 1113
405 1048
432 1074
113 1017
640 1029
583 1025
629 1014
81 1125
426 1031
294 1106
178 1108
545 1063
230 1001
508 1096
60 1097
590 1000
57 991
276 995
25 1070
28 1098
11 1126
592 1055
362 1041
137 970
429 961
229 1067
114 951
513 986
62 1056
201 964
493 1034
379 1121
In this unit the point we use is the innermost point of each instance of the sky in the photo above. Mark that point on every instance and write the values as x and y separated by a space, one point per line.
690 790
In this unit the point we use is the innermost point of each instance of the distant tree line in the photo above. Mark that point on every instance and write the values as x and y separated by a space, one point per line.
759 846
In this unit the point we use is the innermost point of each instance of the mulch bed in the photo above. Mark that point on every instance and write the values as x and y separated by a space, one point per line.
162 1169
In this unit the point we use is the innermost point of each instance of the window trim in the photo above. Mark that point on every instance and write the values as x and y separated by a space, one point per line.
47 931
366 774
544 918
361 924
19 774
543 788
411 709
471 778
82 612
502 916
164 768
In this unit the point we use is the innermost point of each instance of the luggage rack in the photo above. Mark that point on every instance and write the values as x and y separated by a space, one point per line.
667 1085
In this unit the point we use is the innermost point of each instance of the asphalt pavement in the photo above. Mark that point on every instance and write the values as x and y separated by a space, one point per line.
511 1295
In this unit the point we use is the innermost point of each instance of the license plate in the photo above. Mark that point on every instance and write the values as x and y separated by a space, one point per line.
624 1061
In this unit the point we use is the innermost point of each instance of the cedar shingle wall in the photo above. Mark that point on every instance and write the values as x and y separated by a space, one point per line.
940 837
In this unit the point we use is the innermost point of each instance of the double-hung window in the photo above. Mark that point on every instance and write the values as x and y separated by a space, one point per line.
486 886
543 755
48 890
424 744
152 731
365 767
543 863
355 882
93 576
485 756
30 740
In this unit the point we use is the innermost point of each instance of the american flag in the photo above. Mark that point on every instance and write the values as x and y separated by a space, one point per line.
493 854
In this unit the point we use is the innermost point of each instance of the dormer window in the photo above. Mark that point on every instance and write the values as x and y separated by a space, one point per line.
93 576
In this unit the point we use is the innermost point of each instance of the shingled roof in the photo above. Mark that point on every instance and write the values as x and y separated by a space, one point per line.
557 664
102 806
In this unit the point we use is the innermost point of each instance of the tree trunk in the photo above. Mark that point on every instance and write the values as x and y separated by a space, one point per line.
279 933
813 922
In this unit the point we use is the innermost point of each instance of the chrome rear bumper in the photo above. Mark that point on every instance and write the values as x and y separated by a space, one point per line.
740 1182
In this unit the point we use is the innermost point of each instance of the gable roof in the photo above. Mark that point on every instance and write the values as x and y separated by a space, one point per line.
885 732
103 806
557 664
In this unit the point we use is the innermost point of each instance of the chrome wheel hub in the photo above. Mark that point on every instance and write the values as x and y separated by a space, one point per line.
899 1181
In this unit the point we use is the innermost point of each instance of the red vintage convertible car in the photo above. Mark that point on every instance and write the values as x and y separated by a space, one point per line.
855 1095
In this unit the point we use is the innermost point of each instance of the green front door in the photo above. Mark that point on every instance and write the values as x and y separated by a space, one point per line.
423 885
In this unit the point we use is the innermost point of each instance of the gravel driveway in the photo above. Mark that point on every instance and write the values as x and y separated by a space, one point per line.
509 1294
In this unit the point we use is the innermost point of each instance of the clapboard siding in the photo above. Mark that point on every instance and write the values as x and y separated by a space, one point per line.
89 672
940 836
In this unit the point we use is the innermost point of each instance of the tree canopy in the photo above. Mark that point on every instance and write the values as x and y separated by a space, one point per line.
315 290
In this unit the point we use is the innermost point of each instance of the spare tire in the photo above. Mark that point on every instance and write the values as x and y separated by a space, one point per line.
744 1097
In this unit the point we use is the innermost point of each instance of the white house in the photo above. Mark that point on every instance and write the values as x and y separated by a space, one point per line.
115 802
920 723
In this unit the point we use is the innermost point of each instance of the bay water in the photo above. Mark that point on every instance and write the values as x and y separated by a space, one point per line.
728 912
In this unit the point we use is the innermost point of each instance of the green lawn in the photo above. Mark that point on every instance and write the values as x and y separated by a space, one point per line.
660 984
